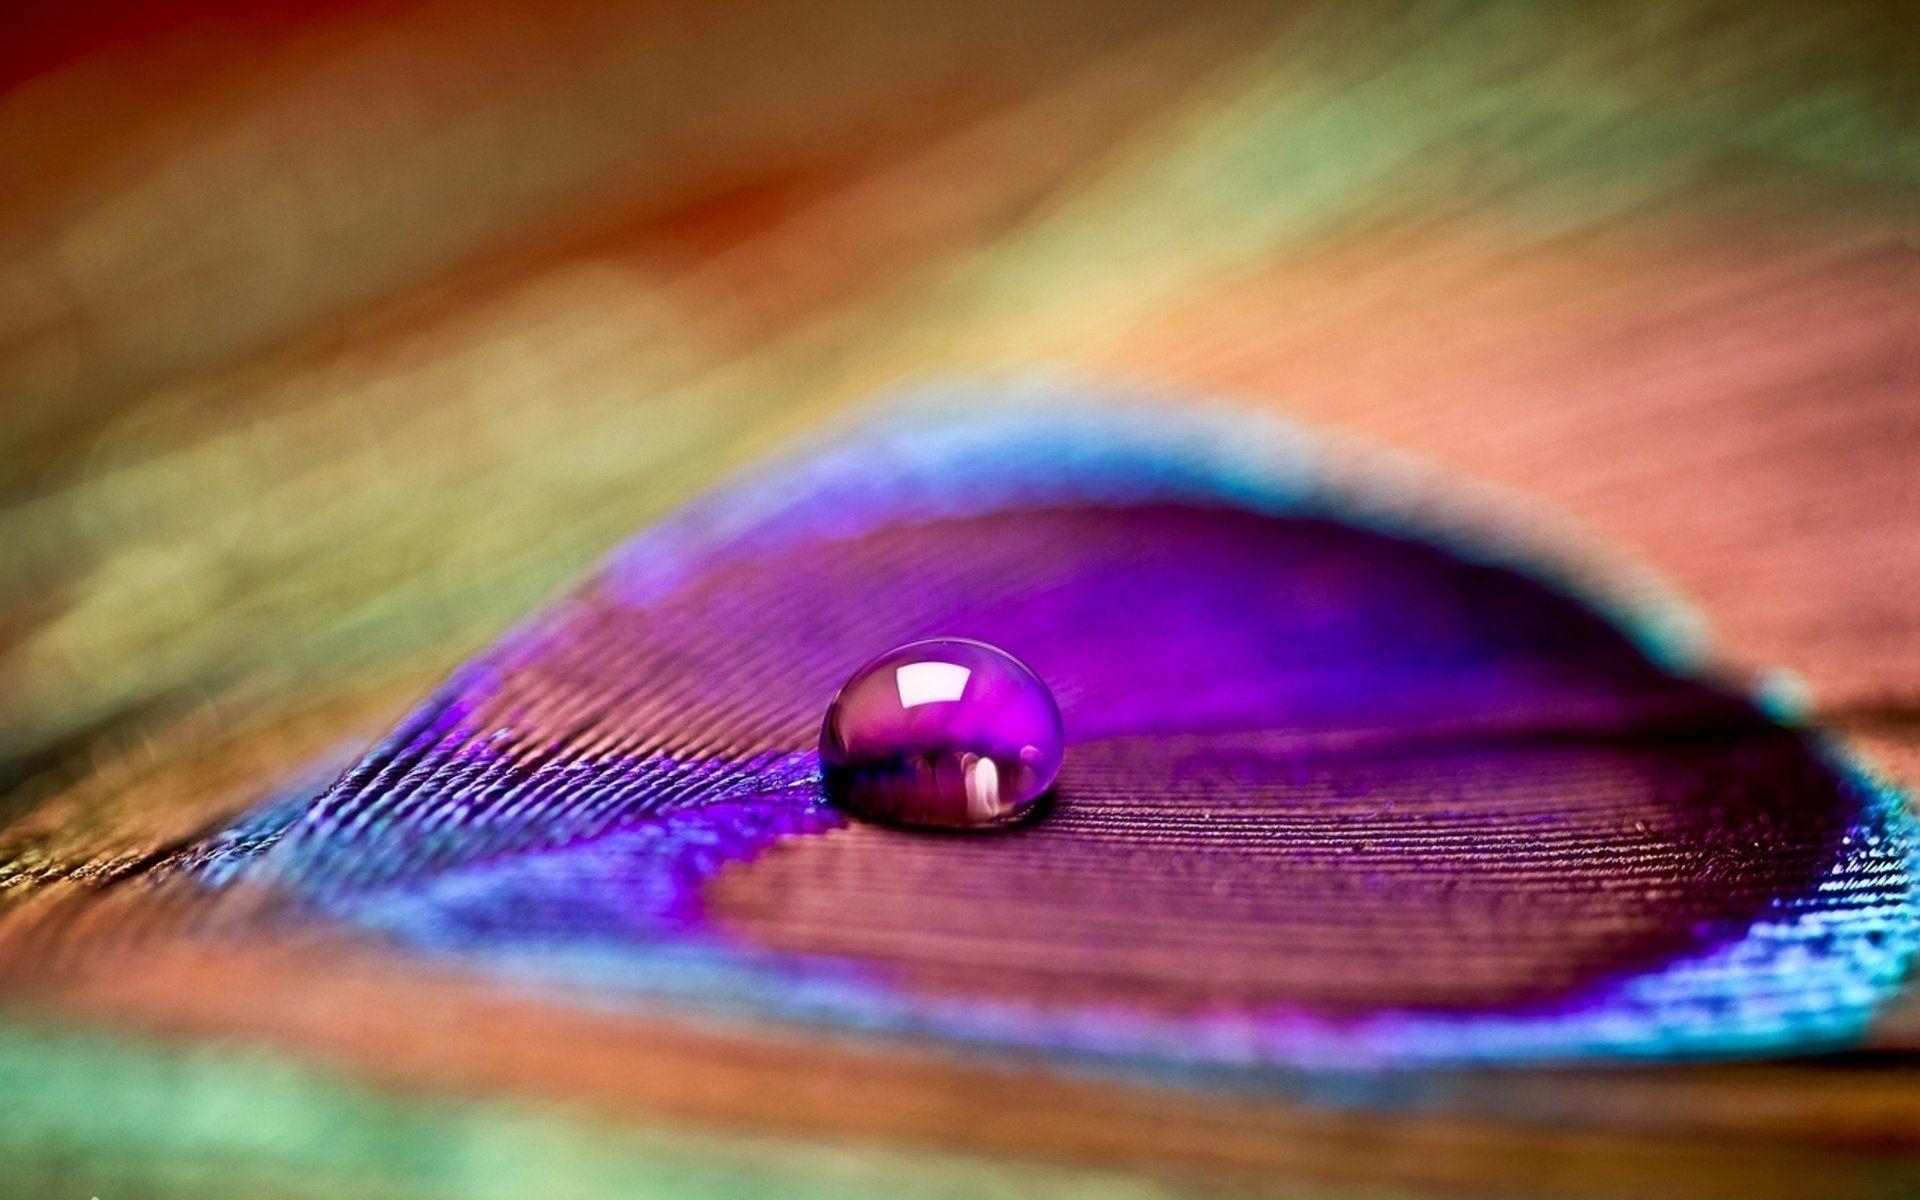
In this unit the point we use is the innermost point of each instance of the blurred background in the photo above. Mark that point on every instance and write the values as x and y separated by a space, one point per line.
335 337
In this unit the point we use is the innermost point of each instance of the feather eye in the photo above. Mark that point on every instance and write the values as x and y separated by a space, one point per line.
1353 776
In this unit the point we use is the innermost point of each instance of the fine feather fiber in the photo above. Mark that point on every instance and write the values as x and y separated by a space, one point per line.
1453 464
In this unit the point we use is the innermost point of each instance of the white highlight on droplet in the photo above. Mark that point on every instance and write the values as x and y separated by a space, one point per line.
982 778
930 682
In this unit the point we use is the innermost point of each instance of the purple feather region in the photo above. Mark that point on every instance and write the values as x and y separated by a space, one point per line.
1363 769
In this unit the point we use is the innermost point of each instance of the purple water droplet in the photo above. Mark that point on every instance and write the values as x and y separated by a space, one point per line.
946 734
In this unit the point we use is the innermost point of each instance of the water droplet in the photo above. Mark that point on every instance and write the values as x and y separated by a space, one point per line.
948 734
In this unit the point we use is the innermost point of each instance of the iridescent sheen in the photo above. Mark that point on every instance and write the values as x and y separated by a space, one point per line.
1364 772
945 733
